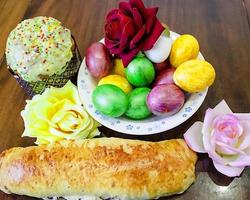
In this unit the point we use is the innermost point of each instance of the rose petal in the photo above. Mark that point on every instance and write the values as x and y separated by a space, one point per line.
206 129
137 4
112 15
117 48
152 11
193 137
129 28
208 138
149 23
47 139
227 149
211 114
124 37
214 155
228 170
227 124
113 30
69 90
125 6
138 18
110 44
134 42
244 140
240 161
151 17
243 116
153 37
227 131
223 160
128 56
222 108
247 150
123 18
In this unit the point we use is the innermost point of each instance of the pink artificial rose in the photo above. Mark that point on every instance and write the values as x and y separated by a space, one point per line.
225 136
130 29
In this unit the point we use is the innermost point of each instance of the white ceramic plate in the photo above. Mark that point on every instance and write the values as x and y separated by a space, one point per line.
155 124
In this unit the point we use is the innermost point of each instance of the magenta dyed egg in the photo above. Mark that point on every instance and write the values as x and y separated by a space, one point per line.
166 99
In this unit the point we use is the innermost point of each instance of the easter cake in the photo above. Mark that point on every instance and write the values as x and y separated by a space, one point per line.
40 52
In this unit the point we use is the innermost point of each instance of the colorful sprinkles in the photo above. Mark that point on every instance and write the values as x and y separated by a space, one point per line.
39 47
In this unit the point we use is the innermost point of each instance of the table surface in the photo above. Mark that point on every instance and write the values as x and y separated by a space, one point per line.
222 28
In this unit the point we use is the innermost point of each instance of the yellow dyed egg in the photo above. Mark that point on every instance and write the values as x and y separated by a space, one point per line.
118 81
184 48
118 67
194 75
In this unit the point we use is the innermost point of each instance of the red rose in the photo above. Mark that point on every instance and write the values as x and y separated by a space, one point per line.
130 29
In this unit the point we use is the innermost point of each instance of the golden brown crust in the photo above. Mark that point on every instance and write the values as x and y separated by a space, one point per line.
102 167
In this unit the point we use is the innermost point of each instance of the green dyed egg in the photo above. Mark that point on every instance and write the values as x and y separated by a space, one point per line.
110 100
140 72
137 106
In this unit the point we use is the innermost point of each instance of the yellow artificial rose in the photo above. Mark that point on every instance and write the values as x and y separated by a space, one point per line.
57 114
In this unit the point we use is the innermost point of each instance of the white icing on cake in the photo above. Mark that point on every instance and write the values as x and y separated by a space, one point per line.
38 47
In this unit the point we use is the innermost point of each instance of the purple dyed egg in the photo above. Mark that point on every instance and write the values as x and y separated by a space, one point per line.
166 99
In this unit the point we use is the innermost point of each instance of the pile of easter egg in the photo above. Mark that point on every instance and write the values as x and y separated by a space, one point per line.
154 82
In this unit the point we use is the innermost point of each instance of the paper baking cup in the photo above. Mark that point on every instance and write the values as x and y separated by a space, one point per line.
57 80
